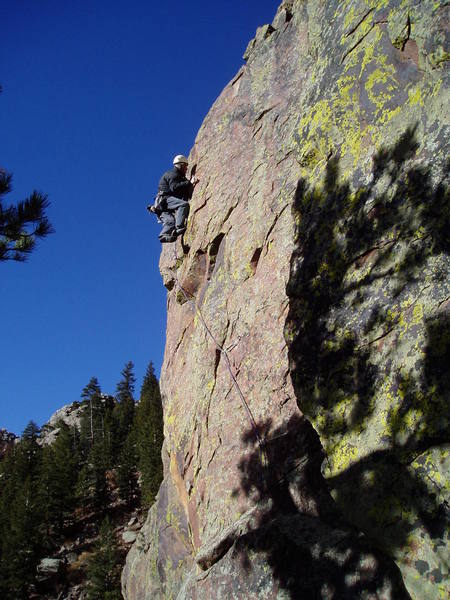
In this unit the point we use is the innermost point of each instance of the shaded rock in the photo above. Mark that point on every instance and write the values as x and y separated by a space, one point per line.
71 557
213 551
77 592
307 559
262 34
70 414
129 536
50 566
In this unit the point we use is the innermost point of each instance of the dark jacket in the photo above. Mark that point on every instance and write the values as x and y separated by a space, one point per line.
174 183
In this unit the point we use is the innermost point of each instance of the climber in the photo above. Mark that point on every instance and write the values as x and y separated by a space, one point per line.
174 192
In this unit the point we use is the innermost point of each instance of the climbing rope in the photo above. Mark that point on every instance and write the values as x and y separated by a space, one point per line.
190 299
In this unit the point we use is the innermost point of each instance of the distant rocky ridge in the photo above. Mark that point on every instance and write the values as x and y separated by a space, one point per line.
314 268
70 414
7 439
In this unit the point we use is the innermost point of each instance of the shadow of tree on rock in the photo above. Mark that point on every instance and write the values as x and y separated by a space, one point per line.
368 338
299 532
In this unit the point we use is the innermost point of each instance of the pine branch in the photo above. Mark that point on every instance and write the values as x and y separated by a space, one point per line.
5 182
21 225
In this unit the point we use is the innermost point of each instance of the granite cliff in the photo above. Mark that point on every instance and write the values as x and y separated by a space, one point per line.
305 378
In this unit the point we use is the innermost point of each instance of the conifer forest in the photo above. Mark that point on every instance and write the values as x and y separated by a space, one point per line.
67 490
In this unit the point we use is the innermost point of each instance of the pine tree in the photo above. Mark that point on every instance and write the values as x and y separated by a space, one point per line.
84 486
149 436
91 421
31 431
60 465
125 387
21 524
98 465
8 490
125 408
127 468
23 544
91 486
103 567
21 225
109 430
30 450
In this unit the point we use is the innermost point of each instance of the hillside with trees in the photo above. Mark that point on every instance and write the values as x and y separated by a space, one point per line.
72 493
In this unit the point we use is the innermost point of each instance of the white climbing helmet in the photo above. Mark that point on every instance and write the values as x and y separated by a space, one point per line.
180 159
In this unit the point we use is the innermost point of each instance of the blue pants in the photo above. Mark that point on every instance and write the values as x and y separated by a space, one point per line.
174 217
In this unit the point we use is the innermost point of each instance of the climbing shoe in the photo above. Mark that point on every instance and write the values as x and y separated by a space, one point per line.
166 239
181 230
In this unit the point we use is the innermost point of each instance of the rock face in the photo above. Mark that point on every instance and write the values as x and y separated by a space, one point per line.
305 376
70 414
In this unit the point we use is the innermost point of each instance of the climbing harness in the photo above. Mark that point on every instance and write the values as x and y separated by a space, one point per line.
190 299
158 206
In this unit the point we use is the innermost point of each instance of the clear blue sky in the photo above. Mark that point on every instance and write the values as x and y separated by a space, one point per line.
97 98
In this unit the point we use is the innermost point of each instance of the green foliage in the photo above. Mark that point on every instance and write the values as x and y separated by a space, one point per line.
98 466
125 387
104 567
58 477
91 421
95 441
44 488
126 469
21 225
29 452
149 437
84 487
91 487
125 407
21 521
